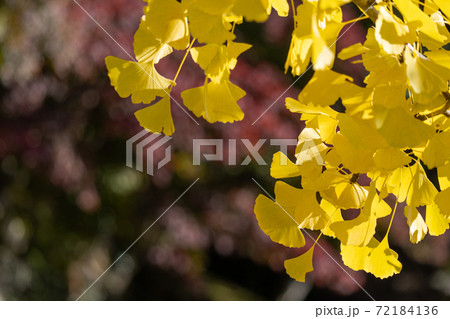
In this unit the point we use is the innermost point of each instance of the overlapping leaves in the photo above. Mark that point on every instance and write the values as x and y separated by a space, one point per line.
394 128
169 25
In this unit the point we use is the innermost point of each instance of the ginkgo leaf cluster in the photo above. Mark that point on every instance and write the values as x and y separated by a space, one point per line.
394 129
169 25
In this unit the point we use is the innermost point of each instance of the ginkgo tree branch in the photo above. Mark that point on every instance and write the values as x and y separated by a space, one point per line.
445 110
367 7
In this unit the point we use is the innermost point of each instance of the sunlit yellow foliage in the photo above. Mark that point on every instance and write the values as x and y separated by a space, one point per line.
359 143
391 128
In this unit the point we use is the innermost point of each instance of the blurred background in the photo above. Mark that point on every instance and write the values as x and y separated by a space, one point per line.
69 206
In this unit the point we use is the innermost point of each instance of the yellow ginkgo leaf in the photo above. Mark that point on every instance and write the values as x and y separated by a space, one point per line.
444 176
215 102
437 152
431 7
442 59
421 191
314 39
424 105
310 148
390 96
334 214
281 6
326 25
252 10
332 160
437 223
314 179
308 134
308 153
157 118
300 50
361 133
282 167
147 48
308 212
417 226
357 160
356 232
325 125
416 18
357 142
440 20
352 51
444 5
298 107
391 33
376 258
344 193
360 230
217 60
442 200
209 27
140 80
311 176
357 258
390 158
425 77
299 54
332 4
383 261
211 7
383 67
359 103
326 87
408 183
277 223
167 21
401 129
383 180
298 267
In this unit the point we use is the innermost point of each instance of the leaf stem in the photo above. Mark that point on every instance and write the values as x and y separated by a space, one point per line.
355 20
233 27
366 6
182 62
398 194
425 5
354 178
294 12
392 218
443 110
328 223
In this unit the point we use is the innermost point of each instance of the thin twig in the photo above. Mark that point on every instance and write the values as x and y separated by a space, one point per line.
367 6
